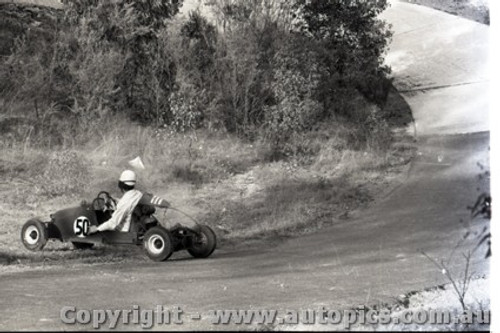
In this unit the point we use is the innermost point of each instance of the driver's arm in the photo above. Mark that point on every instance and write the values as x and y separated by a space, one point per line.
110 224
113 222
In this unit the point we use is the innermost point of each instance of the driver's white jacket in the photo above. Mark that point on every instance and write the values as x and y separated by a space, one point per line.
122 216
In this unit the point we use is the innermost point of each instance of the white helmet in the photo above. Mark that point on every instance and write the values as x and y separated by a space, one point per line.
128 177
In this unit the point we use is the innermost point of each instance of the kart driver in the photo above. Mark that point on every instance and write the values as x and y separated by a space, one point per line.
122 216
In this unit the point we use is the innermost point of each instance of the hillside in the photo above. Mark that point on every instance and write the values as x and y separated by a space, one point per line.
259 152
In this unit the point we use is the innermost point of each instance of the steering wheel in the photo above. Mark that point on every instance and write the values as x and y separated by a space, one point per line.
104 202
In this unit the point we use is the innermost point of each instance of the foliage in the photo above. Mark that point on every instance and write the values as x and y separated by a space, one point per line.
194 43
65 173
103 56
264 69
250 34
482 207
185 109
134 27
199 39
93 62
351 28
296 76
354 41
31 76
378 132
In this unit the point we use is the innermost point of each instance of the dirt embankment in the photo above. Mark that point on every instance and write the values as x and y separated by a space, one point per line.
265 202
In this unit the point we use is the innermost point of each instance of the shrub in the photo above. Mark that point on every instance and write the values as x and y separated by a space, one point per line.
255 74
93 64
66 173
185 108
294 87
288 118
185 172
379 134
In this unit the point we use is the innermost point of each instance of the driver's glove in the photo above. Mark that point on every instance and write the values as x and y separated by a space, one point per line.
93 229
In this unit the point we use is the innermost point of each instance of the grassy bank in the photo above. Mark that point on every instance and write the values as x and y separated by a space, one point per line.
236 186
257 129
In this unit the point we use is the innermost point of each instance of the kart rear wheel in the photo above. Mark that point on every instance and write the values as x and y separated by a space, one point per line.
204 244
82 246
34 235
158 244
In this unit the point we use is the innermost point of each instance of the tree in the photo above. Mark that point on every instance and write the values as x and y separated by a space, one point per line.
195 45
354 38
94 57
296 78
145 83
249 40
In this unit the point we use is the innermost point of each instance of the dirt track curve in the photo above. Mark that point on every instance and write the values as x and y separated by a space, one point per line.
439 62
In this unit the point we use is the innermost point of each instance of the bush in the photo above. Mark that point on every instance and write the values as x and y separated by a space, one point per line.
255 75
185 108
294 87
93 64
290 117
186 173
66 173
379 135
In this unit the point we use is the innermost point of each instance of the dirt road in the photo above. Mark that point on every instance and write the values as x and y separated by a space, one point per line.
365 260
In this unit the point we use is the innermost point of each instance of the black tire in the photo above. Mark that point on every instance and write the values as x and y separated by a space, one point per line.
204 245
158 244
82 246
34 235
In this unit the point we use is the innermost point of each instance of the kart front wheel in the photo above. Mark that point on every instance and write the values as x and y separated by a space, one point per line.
204 244
158 244
34 235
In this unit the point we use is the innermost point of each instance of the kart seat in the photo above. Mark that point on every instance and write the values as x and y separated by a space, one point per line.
141 215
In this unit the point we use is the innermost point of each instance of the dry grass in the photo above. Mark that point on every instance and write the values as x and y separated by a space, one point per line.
289 208
245 190
227 183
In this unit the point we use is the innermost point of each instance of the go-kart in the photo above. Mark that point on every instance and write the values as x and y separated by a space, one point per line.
72 225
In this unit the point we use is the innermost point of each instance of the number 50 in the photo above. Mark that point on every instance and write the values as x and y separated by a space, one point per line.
81 226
